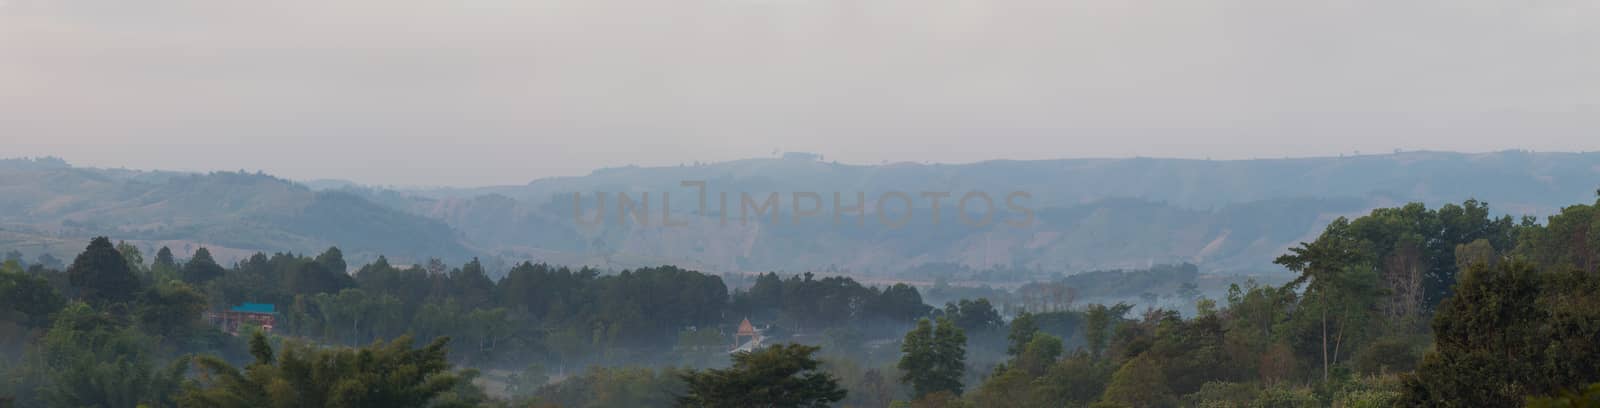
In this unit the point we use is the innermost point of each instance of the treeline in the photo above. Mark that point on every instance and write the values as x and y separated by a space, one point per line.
110 306
1130 283
803 302
1406 306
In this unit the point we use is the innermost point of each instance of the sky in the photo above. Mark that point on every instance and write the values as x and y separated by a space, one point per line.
482 92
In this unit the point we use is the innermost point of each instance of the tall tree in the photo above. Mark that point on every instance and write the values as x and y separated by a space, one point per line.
201 267
934 357
102 274
165 267
783 375
1339 287
472 285
333 260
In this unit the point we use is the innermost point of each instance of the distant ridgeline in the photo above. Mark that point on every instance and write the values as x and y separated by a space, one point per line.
1089 214
48 207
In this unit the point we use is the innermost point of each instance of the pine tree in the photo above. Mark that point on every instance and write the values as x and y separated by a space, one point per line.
102 274
201 267
333 260
165 267
164 259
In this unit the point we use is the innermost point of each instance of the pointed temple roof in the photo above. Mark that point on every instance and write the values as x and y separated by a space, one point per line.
745 329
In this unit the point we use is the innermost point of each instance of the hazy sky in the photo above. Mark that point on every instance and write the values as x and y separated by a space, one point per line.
475 92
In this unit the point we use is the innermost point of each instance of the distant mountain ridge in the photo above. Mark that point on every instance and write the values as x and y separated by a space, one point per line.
47 204
1225 216
1233 215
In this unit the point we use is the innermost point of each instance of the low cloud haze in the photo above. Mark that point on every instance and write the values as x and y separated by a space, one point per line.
499 91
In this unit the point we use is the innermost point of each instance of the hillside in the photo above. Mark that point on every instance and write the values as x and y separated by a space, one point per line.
50 206
1518 181
1229 216
1225 216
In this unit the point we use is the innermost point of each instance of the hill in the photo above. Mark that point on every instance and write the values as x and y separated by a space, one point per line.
47 204
1086 214
1229 216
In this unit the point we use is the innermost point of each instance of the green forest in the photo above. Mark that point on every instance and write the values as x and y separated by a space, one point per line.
1407 306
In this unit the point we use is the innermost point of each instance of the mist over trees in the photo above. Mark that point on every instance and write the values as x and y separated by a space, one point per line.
783 375
539 320
1446 306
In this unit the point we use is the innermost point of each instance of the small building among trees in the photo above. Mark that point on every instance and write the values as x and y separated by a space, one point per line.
746 330
262 314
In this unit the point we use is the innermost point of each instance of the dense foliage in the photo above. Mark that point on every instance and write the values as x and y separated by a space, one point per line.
1523 331
382 375
935 356
114 330
1504 310
783 375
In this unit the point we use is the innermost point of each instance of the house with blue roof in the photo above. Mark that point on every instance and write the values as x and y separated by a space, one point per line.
260 314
